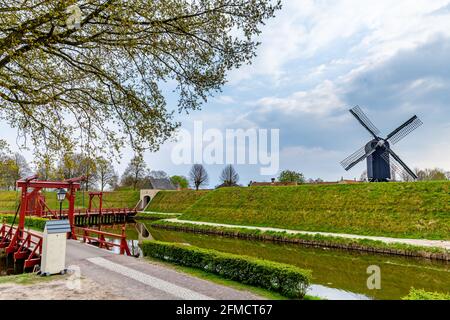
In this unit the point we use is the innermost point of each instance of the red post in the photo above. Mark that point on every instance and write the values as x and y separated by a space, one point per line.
23 208
100 197
100 205
71 212
123 243
90 202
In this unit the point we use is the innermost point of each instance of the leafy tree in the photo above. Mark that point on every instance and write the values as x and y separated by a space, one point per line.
75 165
4 148
106 174
180 181
431 174
96 67
198 176
45 167
229 177
20 168
136 173
291 176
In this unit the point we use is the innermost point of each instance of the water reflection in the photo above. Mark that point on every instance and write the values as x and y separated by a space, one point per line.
337 274
323 292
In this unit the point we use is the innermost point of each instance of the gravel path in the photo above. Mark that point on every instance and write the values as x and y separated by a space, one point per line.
139 279
415 242
57 290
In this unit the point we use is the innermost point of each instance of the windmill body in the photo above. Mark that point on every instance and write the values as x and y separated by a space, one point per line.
378 163
381 159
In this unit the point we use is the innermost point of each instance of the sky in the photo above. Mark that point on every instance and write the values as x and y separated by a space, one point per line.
317 59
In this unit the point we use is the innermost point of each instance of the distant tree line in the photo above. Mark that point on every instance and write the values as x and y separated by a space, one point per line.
101 175
99 172
426 174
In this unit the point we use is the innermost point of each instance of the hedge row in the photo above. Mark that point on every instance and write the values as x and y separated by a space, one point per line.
287 280
31 222
416 294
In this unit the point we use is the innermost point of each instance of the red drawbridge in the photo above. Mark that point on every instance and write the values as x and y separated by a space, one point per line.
27 245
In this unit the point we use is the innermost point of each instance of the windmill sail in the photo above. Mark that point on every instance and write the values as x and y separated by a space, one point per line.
364 121
381 159
405 129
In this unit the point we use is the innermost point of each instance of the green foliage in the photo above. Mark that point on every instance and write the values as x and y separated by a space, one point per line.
288 280
345 269
175 201
432 175
13 166
99 67
28 279
180 181
417 210
30 222
291 176
154 216
112 199
9 200
136 173
419 294
115 199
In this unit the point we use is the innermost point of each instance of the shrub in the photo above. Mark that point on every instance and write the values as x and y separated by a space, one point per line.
287 280
35 223
418 294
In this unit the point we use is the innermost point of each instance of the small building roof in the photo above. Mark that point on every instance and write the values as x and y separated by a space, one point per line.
162 184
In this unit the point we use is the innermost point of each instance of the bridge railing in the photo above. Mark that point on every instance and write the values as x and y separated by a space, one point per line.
24 245
98 237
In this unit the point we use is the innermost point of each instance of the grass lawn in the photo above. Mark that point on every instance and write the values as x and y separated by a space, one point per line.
175 201
28 279
404 210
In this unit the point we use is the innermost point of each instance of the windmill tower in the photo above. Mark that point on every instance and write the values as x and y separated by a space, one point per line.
381 159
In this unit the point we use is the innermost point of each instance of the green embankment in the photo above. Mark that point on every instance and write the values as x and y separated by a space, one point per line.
175 201
114 199
8 200
307 239
416 294
416 210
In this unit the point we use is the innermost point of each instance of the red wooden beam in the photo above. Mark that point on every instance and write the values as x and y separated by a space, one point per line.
48 184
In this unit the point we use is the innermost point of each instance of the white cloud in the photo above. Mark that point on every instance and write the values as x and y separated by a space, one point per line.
321 100
305 28
224 99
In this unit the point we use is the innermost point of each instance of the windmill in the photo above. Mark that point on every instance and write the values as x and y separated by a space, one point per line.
381 159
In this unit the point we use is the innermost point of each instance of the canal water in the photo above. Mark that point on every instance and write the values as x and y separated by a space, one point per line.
337 274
